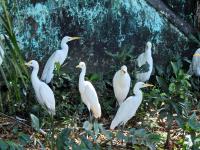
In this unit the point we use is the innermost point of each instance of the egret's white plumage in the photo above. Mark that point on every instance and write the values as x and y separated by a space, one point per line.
142 59
88 93
129 107
1 55
1 49
121 84
44 94
58 56
195 65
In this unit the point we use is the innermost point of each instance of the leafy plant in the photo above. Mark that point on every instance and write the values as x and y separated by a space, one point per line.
173 99
13 69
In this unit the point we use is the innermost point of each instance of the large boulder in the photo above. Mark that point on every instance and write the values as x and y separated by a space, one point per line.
106 27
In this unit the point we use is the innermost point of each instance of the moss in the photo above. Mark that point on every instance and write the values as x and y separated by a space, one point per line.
103 25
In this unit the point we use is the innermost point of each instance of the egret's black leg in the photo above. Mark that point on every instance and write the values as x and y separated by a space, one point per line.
90 116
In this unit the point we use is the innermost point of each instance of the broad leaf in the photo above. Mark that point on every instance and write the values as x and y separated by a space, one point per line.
162 83
35 122
193 123
3 145
63 138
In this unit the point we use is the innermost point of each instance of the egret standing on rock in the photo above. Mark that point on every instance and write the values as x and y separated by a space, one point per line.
88 93
129 107
44 94
145 61
58 56
195 65
121 84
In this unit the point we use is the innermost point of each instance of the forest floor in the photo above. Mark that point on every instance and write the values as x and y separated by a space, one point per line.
15 130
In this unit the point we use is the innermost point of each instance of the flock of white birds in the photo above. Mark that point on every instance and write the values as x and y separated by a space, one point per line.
121 83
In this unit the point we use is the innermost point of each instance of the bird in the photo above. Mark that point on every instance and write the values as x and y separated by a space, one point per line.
88 93
58 56
195 65
129 107
121 84
43 92
2 53
145 61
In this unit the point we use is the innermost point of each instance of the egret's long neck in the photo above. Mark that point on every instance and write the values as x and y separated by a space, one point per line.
137 91
148 51
34 78
64 45
82 78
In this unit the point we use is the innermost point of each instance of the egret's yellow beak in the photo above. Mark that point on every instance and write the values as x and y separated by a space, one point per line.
74 38
77 66
146 85
28 63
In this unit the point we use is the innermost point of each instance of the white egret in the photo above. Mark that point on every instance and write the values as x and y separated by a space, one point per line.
129 107
1 55
1 49
195 65
88 93
121 84
44 94
142 60
58 56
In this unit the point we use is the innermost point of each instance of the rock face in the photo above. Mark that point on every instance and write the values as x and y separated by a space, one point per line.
109 26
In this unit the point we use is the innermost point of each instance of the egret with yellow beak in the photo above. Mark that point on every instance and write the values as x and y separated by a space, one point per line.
43 92
44 95
88 93
58 56
129 107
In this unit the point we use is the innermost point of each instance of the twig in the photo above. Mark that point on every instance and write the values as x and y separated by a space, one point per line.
19 120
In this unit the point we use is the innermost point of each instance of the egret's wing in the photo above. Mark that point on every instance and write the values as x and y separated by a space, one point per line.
121 86
47 74
47 97
141 60
126 111
92 98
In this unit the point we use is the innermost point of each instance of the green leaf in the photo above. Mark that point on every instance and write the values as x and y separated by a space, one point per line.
154 138
94 77
175 68
86 142
3 145
63 138
24 139
193 123
144 68
96 128
120 136
105 132
14 146
162 83
87 126
35 122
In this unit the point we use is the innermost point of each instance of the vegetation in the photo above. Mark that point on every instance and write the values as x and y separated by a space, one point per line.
167 119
